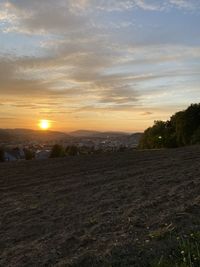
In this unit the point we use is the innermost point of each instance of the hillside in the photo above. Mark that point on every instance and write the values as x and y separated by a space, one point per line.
26 135
83 133
96 134
120 209
23 135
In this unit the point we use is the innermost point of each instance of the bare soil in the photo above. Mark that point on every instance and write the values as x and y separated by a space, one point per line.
100 210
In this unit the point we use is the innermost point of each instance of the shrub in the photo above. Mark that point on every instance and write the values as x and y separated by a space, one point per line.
2 154
72 150
57 151
29 154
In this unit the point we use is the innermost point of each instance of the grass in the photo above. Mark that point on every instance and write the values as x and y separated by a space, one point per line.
180 251
187 253
162 232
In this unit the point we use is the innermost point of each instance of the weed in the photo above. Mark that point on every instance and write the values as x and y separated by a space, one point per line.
161 233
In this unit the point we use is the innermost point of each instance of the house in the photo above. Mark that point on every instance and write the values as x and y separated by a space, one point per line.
8 156
14 154
42 154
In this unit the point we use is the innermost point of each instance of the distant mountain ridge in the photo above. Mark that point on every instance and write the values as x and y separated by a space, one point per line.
28 135
123 137
90 133
83 133
21 135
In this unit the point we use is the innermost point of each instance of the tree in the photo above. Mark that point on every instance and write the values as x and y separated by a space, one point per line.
57 151
155 136
182 129
196 137
186 123
2 154
29 154
72 150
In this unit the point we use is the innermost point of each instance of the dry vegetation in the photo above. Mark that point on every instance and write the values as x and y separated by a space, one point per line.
121 209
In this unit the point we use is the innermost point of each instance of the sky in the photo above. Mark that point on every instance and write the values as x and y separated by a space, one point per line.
108 65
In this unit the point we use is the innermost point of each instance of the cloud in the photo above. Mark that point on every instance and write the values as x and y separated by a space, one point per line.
185 4
147 113
68 16
86 74
15 80
41 16
147 5
91 57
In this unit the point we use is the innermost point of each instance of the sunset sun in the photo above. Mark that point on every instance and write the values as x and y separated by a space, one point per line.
44 124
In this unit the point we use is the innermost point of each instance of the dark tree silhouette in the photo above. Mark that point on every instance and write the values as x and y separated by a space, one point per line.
57 151
72 150
182 129
2 153
29 154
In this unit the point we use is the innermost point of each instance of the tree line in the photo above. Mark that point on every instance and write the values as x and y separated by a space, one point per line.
182 129
58 151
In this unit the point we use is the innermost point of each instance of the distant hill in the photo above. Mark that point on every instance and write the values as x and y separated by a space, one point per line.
5 136
135 138
111 134
97 134
23 135
124 138
27 135
83 133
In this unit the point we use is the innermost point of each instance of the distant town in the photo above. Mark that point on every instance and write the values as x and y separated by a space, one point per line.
24 144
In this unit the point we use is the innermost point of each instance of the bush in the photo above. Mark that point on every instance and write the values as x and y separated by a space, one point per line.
2 154
57 151
72 150
29 154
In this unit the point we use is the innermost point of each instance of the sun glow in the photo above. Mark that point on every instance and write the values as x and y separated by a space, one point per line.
44 124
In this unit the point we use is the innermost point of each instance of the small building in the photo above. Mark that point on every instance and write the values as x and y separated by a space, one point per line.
14 154
9 156
42 154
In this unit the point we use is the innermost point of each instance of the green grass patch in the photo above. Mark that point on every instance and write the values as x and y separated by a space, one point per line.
162 232
187 253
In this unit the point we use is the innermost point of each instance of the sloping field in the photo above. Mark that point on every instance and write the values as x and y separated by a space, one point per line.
101 210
